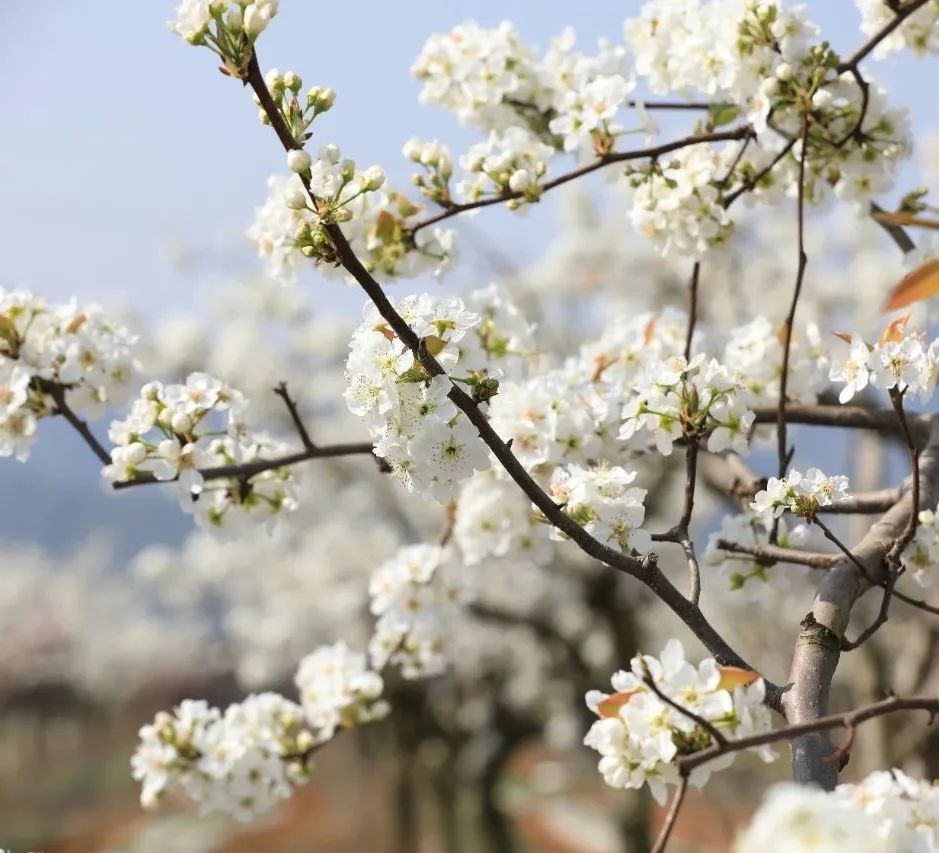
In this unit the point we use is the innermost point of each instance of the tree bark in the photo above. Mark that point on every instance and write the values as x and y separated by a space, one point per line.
818 647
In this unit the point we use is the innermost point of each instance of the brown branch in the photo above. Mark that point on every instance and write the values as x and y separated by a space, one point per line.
252 469
716 736
700 106
862 52
281 391
782 449
752 182
818 646
849 720
777 554
57 392
600 163
892 559
678 798
847 417
894 229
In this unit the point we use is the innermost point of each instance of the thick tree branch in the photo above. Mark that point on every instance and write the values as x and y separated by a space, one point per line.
818 647
847 417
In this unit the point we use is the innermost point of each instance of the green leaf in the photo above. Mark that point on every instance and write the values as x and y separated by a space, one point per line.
721 114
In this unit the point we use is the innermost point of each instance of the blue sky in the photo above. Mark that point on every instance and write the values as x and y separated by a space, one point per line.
121 142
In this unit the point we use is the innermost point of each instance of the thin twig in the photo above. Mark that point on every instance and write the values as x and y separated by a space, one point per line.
692 307
846 417
281 391
770 554
600 163
782 449
868 46
893 555
57 392
716 736
252 469
677 799
890 705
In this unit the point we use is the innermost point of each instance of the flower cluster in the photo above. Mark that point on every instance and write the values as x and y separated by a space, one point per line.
885 811
298 115
476 73
750 528
289 225
639 736
919 32
338 690
490 79
589 93
228 29
415 595
721 48
244 761
676 397
601 500
430 445
241 762
755 58
677 203
173 432
901 361
46 351
800 494
435 158
509 161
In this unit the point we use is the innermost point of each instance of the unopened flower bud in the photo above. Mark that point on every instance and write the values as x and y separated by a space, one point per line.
412 149
274 80
298 161
784 71
135 453
520 181
295 196
255 20
181 423
822 99
292 81
373 178
347 170
234 19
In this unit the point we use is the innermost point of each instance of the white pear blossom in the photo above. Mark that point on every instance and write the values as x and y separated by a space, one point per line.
800 494
921 556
